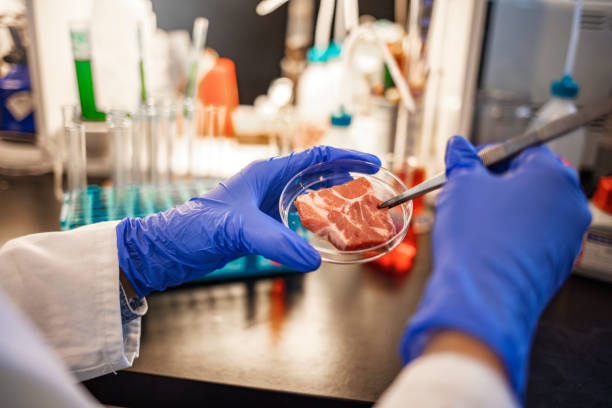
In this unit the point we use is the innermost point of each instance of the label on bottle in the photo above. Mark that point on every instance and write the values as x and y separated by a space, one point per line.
20 105
597 251
81 48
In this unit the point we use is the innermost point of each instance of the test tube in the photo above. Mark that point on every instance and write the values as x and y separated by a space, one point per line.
74 133
213 121
169 114
140 149
200 31
120 128
188 134
146 149
179 150
158 141
210 156
167 138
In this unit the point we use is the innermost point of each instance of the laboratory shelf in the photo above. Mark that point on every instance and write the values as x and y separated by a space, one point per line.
98 204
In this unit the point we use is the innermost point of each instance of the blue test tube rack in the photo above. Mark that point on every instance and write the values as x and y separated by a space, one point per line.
97 204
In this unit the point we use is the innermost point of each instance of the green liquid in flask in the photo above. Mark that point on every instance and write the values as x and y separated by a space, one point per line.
86 91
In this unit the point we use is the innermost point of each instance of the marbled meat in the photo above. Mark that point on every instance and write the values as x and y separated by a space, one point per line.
347 215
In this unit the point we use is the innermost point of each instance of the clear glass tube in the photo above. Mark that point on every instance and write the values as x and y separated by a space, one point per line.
146 131
188 135
167 137
76 160
157 141
210 150
121 132
170 122
213 121
139 150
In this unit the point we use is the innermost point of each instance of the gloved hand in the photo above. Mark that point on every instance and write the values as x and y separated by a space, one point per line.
502 246
238 217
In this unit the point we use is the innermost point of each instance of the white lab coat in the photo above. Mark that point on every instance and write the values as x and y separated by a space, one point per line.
67 285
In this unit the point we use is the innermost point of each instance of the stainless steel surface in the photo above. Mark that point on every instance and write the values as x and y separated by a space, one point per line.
425 187
495 154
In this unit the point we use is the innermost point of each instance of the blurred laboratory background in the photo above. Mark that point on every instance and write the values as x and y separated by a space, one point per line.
115 108
127 101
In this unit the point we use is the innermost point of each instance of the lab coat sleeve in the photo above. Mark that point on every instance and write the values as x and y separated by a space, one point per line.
67 283
31 375
448 380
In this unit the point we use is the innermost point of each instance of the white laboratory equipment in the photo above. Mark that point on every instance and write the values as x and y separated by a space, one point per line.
318 86
524 47
563 94
508 47
561 103
339 133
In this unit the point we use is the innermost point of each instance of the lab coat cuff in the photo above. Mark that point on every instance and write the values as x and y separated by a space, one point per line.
119 343
67 283
131 308
448 379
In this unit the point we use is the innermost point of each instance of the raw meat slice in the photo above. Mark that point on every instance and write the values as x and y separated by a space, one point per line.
347 215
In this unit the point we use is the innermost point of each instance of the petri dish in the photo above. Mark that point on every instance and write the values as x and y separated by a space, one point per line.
324 175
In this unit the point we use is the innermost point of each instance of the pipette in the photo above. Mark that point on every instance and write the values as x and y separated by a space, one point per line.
496 154
141 68
200 30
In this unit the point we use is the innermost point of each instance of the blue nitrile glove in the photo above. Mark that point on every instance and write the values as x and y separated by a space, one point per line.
503 244
236 218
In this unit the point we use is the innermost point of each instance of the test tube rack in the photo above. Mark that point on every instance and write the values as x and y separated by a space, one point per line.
98 204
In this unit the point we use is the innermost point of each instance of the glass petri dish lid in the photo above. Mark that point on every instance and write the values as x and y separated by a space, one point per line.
324 175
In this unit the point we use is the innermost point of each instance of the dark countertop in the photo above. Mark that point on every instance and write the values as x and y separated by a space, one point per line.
327 338
331 333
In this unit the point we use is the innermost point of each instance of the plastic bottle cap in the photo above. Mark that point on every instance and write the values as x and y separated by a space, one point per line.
333 51
564 88
341 119
315 54
603 195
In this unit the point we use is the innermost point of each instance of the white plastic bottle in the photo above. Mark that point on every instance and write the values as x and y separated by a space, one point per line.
318 87
561 103
339 134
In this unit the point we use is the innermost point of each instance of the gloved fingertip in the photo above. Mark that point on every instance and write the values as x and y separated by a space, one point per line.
310 264
279 243
371 158
308 259
332 153
460 153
